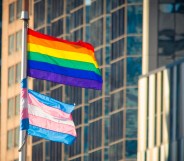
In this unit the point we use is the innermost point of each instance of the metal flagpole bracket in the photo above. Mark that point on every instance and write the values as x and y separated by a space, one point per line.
25 138
24 15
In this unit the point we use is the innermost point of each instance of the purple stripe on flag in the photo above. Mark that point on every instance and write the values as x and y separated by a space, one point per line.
84 83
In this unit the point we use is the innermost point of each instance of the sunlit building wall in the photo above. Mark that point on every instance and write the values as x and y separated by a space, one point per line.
160 117
10 79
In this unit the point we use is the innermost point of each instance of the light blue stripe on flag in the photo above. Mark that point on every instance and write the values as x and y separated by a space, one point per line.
50 135
52 102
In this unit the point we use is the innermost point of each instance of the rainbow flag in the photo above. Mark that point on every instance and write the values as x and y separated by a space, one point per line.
47 118
62 61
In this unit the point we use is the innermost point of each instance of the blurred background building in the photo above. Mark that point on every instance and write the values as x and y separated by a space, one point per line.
127 43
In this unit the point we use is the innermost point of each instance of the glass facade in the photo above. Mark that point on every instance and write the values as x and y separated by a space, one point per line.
170 33
106 121
160 117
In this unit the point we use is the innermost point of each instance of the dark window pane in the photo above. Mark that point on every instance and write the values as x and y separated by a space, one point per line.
117 74
116 152
77 116
117 49
131 123
97 32
74 3
57 28
95 109
39 13
117 3
95 156
19 8
117 23
166 29
131 148
11 12
73 95
57 8
77 18
55 151
134 19
134 1
37 152
38 85
99 56
97 8
76 147
116 126
134 69
57 93
117 100
18 73
131 97
134 45
77 35
11 44
11 76
11 105
95 134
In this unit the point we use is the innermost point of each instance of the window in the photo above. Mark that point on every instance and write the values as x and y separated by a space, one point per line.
19 40
11 44
116 126
57 28
95 109
95 136
96 156
19 8
116 151
11 12
17 104
57 93
134 69
117 23
11 76
117 74
134 24
16 136
39 13
76 147
117 101
57 8
131 123
97 32
10 107
18 72
117 49
10 139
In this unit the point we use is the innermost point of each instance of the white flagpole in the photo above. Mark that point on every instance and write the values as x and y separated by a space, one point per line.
25 18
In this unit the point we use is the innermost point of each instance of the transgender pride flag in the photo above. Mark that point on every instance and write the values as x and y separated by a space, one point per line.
47 118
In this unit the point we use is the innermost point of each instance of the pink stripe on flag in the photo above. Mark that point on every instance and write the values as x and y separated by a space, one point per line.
24 92
52 111
24 113
50 125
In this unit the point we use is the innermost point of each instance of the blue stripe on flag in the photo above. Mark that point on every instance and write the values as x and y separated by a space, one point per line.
24 124
52 102
50 135
24 83
76 73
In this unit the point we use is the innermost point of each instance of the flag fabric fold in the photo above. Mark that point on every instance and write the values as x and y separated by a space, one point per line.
62 61
47 118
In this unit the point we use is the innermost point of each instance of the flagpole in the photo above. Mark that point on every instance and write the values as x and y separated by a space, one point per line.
25 18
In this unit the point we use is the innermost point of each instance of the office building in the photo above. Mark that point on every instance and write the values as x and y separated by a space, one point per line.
106 121
160 121
160 125
10 80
